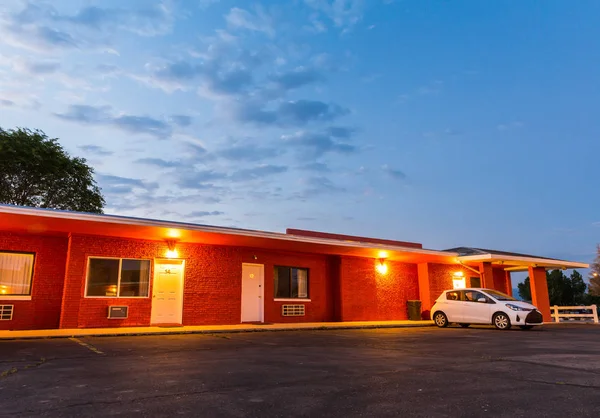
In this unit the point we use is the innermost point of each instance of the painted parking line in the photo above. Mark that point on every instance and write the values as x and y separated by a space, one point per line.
86 345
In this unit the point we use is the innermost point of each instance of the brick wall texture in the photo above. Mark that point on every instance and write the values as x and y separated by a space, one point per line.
340 288
43 310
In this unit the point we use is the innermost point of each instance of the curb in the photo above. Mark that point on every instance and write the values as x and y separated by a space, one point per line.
209 331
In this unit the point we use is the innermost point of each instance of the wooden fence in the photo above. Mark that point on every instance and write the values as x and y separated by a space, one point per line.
557 315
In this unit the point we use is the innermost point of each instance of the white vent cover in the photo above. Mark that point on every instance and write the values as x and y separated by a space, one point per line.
292 310
6 312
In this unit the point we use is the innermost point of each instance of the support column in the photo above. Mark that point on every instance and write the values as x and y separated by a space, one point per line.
487 275
509 290
424 287
539 291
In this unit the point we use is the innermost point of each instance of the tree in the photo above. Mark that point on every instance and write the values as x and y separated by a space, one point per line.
594 286
525 289
36 171
562 290
578 287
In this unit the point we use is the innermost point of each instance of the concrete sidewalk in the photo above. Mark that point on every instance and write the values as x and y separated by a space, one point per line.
206 329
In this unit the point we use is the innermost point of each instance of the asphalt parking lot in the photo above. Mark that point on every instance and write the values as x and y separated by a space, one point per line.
423 372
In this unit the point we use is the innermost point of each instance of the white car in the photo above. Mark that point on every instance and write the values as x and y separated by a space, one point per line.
483 306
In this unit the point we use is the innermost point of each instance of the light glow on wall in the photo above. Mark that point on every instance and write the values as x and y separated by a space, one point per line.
172 254
458 280
381 267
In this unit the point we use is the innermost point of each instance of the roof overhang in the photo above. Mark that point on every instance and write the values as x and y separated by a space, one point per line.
519 263
54 222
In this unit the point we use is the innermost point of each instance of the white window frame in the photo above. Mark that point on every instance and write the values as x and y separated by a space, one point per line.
87 277
21 297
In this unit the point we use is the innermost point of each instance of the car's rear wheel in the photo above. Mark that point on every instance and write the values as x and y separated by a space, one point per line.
464 325
440 319
501 321
526 327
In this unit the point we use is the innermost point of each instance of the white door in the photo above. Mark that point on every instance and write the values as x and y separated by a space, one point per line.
253 292
476 312
167 292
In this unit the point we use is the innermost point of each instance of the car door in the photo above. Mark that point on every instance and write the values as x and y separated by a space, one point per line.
453 306
476 308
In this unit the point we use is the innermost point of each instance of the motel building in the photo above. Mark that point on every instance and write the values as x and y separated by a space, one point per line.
62 269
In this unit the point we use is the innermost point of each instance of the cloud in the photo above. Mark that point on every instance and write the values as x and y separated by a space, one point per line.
247 151
343 13
202 213
290 113
101 115
111 184
296 78
95 150
258 172
317 186
150 20
142 124
6 103
257 22
317 167
393 173
42 27
158 162
315 144
42 67
340 131
181 120
198 179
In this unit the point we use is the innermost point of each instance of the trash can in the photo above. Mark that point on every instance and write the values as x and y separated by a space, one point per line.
414 310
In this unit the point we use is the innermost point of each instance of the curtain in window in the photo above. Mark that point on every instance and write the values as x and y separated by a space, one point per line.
144 277
302 283
15 273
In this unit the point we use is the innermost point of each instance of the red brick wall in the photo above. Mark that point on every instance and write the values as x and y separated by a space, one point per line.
43 310
367 295
212 290
440 278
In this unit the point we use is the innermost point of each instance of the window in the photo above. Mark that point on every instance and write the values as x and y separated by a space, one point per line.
118 277
499 295
15 274
474 296
452 296
290 282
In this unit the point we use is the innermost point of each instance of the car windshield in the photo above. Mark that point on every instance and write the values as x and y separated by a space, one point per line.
498 295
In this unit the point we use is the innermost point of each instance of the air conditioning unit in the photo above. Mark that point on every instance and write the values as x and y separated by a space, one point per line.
6 312
118 312
293 310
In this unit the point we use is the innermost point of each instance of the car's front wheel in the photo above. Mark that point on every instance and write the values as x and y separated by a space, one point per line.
440 319
501 321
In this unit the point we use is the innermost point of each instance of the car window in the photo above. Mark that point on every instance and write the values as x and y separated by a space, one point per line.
452 296
499 295
474 296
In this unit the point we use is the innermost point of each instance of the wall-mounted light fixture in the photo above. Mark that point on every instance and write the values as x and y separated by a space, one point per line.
171 252
381 267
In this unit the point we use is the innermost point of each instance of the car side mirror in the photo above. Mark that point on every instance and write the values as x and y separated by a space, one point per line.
482 300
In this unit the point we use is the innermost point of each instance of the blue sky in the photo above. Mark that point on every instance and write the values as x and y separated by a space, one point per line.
448 123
